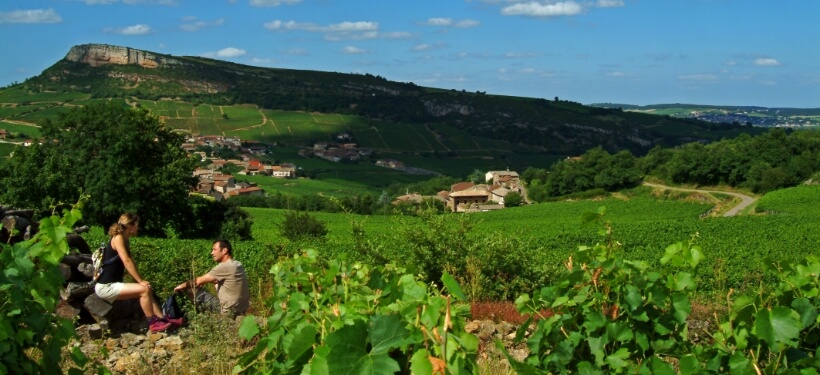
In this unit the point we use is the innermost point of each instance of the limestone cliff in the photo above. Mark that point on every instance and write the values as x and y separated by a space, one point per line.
101 54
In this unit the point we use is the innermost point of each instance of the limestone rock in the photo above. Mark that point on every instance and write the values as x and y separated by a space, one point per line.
102 54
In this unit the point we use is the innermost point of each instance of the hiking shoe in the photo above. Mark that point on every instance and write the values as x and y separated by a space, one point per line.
176 322
158 325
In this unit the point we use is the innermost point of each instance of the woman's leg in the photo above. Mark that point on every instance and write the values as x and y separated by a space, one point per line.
149 306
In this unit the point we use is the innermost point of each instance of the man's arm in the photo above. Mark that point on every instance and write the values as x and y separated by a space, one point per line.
204 279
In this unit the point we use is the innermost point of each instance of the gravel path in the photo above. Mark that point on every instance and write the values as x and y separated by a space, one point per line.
745 200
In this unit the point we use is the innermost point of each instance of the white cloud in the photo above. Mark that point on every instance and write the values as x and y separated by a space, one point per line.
731 63
767 62
30 16
447 22
609 3
273 3
193 25
297 52
536 9
359 30
231 52
352 26
350 50
698 77
257 60
616 74
138 29
520 55
428 47
439 21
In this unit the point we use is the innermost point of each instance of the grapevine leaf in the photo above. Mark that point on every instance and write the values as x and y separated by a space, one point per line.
740 365
807 311
386 333
633 298
671 255
659 367
586 368
695 255
619 331
689 365
452 286
597 346
412 290
617 360
420 364
779 327
299 344
594 320
743 308
248 328
682 307
349 355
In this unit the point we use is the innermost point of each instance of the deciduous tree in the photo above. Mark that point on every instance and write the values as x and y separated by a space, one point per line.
123 158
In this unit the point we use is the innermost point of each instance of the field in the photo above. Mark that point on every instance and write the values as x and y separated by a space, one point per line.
737 248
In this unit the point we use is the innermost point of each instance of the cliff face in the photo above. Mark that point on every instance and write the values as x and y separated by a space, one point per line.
101 54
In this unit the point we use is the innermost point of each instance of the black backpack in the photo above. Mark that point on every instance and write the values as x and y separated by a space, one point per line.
171 307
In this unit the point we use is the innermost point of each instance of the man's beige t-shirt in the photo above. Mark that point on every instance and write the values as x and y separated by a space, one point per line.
231 287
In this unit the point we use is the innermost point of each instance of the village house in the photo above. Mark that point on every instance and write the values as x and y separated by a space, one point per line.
4 134
390 163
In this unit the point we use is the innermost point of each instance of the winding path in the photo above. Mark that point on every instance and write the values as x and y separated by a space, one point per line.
745 200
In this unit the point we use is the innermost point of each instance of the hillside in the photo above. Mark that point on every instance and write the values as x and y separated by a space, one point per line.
447 126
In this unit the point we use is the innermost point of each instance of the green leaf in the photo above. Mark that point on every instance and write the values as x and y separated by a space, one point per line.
594 320
740 365
586 368
779 327
682 307
248 328
807 311
412 290
619 331
689 365
695 255
618 359
671 254
386 332
452 286
420 364
348 354
659 367
633 298
299 343
597 346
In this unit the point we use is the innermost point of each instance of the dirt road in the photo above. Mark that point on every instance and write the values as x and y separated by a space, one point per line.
745 200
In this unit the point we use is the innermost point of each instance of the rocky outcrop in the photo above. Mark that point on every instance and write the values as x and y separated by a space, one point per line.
102 54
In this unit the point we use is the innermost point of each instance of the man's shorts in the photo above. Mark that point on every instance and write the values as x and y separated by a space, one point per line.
108 292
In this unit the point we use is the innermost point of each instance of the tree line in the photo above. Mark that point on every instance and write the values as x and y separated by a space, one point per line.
769 161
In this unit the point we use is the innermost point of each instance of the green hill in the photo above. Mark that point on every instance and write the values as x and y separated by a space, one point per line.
449 131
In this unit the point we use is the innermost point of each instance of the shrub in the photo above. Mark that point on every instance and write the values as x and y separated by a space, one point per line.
298 226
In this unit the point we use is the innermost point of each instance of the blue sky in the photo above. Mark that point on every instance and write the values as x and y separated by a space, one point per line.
719 52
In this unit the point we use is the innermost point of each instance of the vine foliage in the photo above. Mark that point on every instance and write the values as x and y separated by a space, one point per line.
349 318
31 335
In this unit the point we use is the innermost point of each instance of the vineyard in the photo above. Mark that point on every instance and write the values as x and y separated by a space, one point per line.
619 306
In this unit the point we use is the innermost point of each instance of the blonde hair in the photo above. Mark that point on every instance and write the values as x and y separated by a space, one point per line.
126 220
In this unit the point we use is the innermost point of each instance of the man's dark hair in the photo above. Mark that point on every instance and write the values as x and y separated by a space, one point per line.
225 244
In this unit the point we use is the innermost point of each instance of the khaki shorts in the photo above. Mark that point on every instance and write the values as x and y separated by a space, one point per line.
108 292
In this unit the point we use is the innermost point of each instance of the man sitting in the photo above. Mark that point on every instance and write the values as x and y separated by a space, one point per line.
230 279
